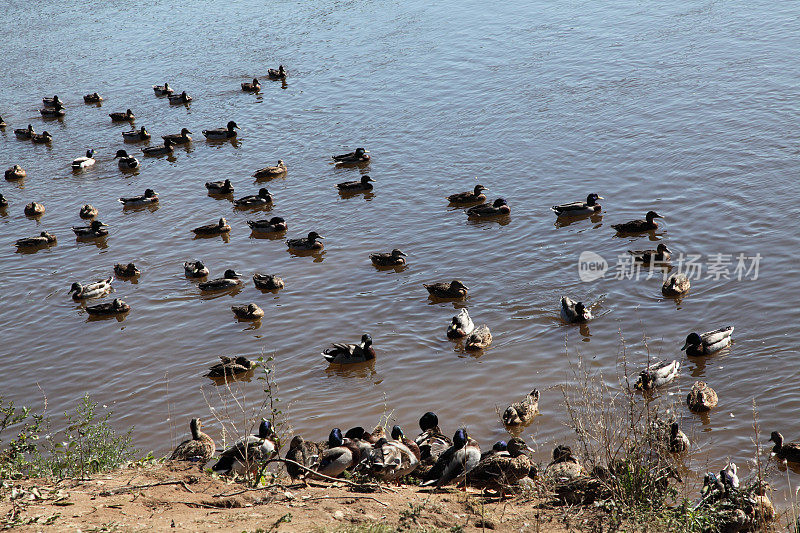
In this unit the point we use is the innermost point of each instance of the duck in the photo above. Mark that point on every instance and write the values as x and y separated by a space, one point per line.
479 339
678 441
126 271
179 138
200 448
93 98
247 452
498 208
364 184
271 172
398 435
790 451
24 133
116 307
15 173
153 151
262 198
708 342
656 375
136 135
149 197
431 441
589 207
701 397
229 280
458 460
84 161
41 138
43 239
729 476
34 209
163 90
177 99
126 162
391 460
251 87
393 258
306 243
88 211
50 112
97 289
222 133
460 326
230 366
247 312
55 101
221 187
3 202
127 116
279 74
2 123
342 354
358 156
660 255
95 229
273 225
564 466
521 413
500 447
639 226
500 470
469 197
676 285
213 229
454 289
302 452
195 269
336 459
574 312
268 282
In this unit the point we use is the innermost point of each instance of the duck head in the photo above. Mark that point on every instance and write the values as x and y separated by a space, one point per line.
777 438
121 153
129 113
166 86
500 446
479 189
222 222
661 248
255 81
185 131
500 202
397 433
232 125
252 308
360 152
562 453
117 303
96 225
592 199
265 429
242 360
366 179
76 287
143 131
231 274
458 285
356 433
673 429
692 339
149 193
90 153
297 442
263 192
428 421
313 236
398 253
460 438
651 215
198 265
335 438
281 163
281 69
366 340
276 220
517 447
581 310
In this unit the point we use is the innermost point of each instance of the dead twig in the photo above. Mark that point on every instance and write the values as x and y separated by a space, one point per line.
316 475
345 498
122 490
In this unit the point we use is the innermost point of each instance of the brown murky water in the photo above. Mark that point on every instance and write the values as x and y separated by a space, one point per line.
687 109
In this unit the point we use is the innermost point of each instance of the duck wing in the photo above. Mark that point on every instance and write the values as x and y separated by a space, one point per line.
713 337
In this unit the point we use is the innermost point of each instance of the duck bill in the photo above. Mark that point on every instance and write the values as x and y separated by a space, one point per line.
600 198
685 345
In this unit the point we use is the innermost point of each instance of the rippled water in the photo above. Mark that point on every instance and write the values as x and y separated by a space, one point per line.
689 108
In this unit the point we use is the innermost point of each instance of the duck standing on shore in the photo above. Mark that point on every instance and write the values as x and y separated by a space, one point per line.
247 452
199 448
456 461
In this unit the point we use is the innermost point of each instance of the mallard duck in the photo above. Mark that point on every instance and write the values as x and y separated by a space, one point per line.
55 101
247 312
3 202
149 197
393 258
660 255
230 366
359 156
126 271
24 133
521 413
271 172
364 184
589 207
126 162
199 448
57 111
41 138
398 435
15 173
729 476
268 282
136 135
97 289
93 98
278 74
163 90
342 354
500 470
273 225
304 453
95 229
336 459
34 209
676 285
708 342
678 441
701 398
657 374
469 197
564 466
177 99
262 198
247 452
221 187
222 133
431 441
498 208
213 229
500 446
88 211
85 161
229 280
195 269
574 312
454 289
306 243
159 150
454 462
639 226
251 87
116 307
179 138
460 326
479 339
391 460
43 239
789 451
127 116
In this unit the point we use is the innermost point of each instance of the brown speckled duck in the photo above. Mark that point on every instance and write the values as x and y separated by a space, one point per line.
660 255
454 289
136 135
93 98
247 312
93 230
43 239
701 398
15 173
277 74
393 258
200 448
269 282
179 138
676 285
34 209
469 197
41 138
500 470
521 413
88 211
251 87
195 269
271 172
479 339
127 116
126 271
564 466
24 133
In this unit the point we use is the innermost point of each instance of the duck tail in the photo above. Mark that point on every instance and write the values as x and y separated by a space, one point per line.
224 465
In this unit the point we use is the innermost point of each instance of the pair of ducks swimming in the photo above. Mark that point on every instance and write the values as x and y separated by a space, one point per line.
590 207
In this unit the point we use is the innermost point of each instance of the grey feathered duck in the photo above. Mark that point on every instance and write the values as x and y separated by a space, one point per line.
479 339
149 197
460 326
501 470
245 455
657 375
126 162
96 289
456 461
708 342
574 209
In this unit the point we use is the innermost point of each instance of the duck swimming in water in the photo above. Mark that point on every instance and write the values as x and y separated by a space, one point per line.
469 197
454 289
177 99
95 229
574 209
163 90
153 151
222 133
701 398
498 208
271 172
50 112
43 138
660 255
149 197
574 312
116 307
269 282
136 135
247 312
479 339
127 116
273 225
312 242
251 87
678 442
97 289
393 258
656 375
83 162
195 269
213 229
277 74
460 326
790 451
521 413
708 342
639 226
358 156
229 280
343 354
219 187
261 199
179 138
55 101
200 448
93 98
88 211
3 202
15 173
676 285
230 366
43 239
34 209
24 133
126 162
126 271
364 184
